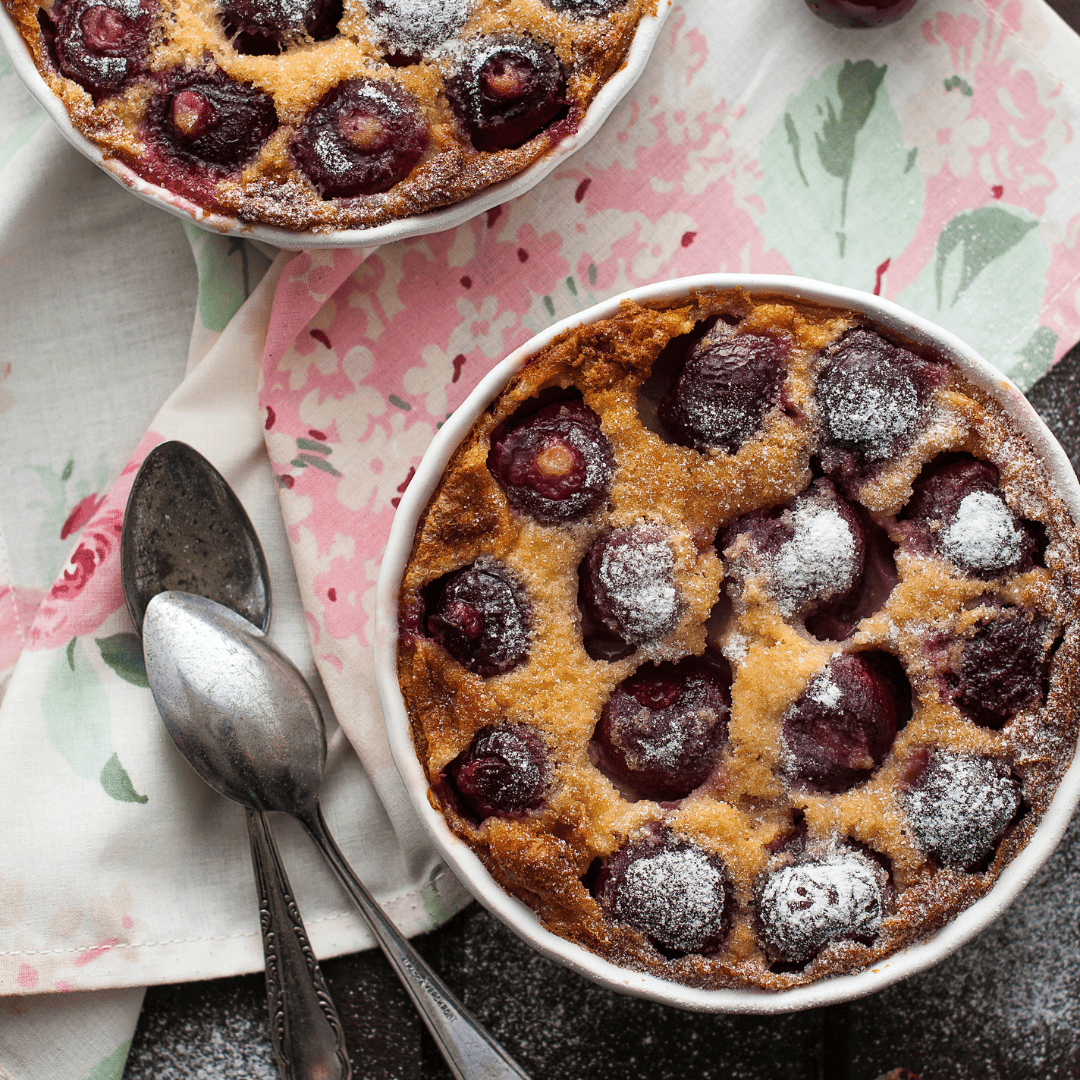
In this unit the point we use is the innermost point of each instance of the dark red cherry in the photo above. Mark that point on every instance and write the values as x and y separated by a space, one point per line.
504 772
959 807
585 7
1001 669
480 615
409 29
958 503
362 138
676 894
822 556
839 731
508 90
825 559
206 118
944 484
812 902
837 619
264 27
628 583
663 730
555 465
860 13
102 44
871 396
728 383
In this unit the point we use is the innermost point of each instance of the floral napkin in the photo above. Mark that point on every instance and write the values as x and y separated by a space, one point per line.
934 162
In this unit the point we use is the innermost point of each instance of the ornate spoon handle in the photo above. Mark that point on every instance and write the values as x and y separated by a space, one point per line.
470 1051
308 1038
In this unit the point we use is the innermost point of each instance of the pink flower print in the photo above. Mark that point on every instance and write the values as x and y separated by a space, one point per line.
80 514
481 331
983 116
87 591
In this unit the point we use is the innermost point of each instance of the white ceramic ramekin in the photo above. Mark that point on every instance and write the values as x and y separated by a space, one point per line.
447 218
468 867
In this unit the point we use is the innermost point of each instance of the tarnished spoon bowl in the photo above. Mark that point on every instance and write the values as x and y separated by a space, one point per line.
185 529
234 704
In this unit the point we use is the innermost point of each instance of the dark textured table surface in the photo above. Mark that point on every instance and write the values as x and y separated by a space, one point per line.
1005 1007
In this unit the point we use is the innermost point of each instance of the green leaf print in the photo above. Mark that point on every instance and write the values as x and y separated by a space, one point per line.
857 85
123 653
117 784
1036 356
77 723
112 1067
76 712
229 269
20 136
840 191
982 235
434 908
61 489
986 284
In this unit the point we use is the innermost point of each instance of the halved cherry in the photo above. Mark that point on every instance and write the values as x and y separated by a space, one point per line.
842 726
103 43
362 138
662 731
480 615
503 772
508 90
556 464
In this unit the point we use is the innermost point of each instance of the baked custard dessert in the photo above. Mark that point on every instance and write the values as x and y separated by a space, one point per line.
327 114
740 640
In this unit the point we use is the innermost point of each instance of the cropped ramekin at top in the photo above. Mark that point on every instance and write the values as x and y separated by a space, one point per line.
874 312
441 218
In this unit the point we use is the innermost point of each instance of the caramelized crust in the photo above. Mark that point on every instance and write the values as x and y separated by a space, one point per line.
749 808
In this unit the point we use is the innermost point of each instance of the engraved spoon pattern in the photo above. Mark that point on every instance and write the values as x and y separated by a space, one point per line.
184 528
246 720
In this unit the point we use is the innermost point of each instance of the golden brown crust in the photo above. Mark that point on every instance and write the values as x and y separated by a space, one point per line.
748 803
188 34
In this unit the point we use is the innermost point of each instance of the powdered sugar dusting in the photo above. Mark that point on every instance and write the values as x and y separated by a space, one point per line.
667 746
413 26
868 405
807 905
676 896
290 14
131 8
982 534
961 807
820 558
637 580
824 691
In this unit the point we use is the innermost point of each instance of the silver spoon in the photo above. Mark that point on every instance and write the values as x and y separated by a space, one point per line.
184 528
242 714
